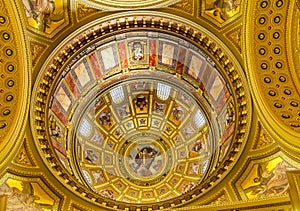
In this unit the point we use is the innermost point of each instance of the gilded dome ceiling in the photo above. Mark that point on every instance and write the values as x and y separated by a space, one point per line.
140 117
149 105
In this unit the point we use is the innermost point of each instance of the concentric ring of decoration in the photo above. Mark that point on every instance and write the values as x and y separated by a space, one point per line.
14 81
129 4
144 132
53 152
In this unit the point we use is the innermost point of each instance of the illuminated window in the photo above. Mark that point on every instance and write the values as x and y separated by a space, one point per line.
85 128
117 94
204 167
87 176
199 119
163 91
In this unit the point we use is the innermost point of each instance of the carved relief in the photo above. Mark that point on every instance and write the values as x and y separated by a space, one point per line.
55 130
222 10
24 156
84 11
235 36
220 200
264 140
36 51
184 5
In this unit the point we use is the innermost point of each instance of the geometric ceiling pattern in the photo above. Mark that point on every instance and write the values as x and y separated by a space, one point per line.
149 105
76 98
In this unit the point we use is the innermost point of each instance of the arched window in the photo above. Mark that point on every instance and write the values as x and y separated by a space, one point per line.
85 128
87 176
117 94
163 91
199 119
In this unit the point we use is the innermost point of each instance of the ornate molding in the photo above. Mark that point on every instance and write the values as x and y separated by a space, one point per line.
271 76
127 5
146 21
14 81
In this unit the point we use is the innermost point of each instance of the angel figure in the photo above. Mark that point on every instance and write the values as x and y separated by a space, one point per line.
144 159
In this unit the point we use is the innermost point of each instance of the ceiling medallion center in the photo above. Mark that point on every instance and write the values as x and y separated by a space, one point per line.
144 160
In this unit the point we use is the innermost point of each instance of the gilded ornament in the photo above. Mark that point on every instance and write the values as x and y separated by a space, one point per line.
84 11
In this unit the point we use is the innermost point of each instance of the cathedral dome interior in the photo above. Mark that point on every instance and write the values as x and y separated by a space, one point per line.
149 105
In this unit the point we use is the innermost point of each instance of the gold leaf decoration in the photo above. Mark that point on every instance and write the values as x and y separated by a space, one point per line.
264 140
235 36
36 50
184 5
23 158
220 199
84 11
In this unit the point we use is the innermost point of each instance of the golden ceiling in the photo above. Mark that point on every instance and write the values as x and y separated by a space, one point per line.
149 105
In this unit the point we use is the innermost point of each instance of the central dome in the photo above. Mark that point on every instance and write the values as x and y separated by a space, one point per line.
139 119
144 139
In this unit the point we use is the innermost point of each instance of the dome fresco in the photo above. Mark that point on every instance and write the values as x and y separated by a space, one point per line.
142 118
149 105
143 143
134 131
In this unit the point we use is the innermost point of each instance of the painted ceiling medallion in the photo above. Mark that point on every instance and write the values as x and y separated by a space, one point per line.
128 4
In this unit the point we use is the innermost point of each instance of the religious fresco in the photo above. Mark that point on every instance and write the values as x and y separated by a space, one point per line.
146 130
267 179
44 15
117 151
222 10
25 195
145 160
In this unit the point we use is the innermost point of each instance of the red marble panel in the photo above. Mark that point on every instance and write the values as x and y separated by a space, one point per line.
57 145
181 60
59 114
122 54
222 99
228 132
71 83
152 58
206 75
94 64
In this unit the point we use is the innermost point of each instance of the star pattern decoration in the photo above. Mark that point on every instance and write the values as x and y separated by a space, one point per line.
142 121
129 125
168 129
156 123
